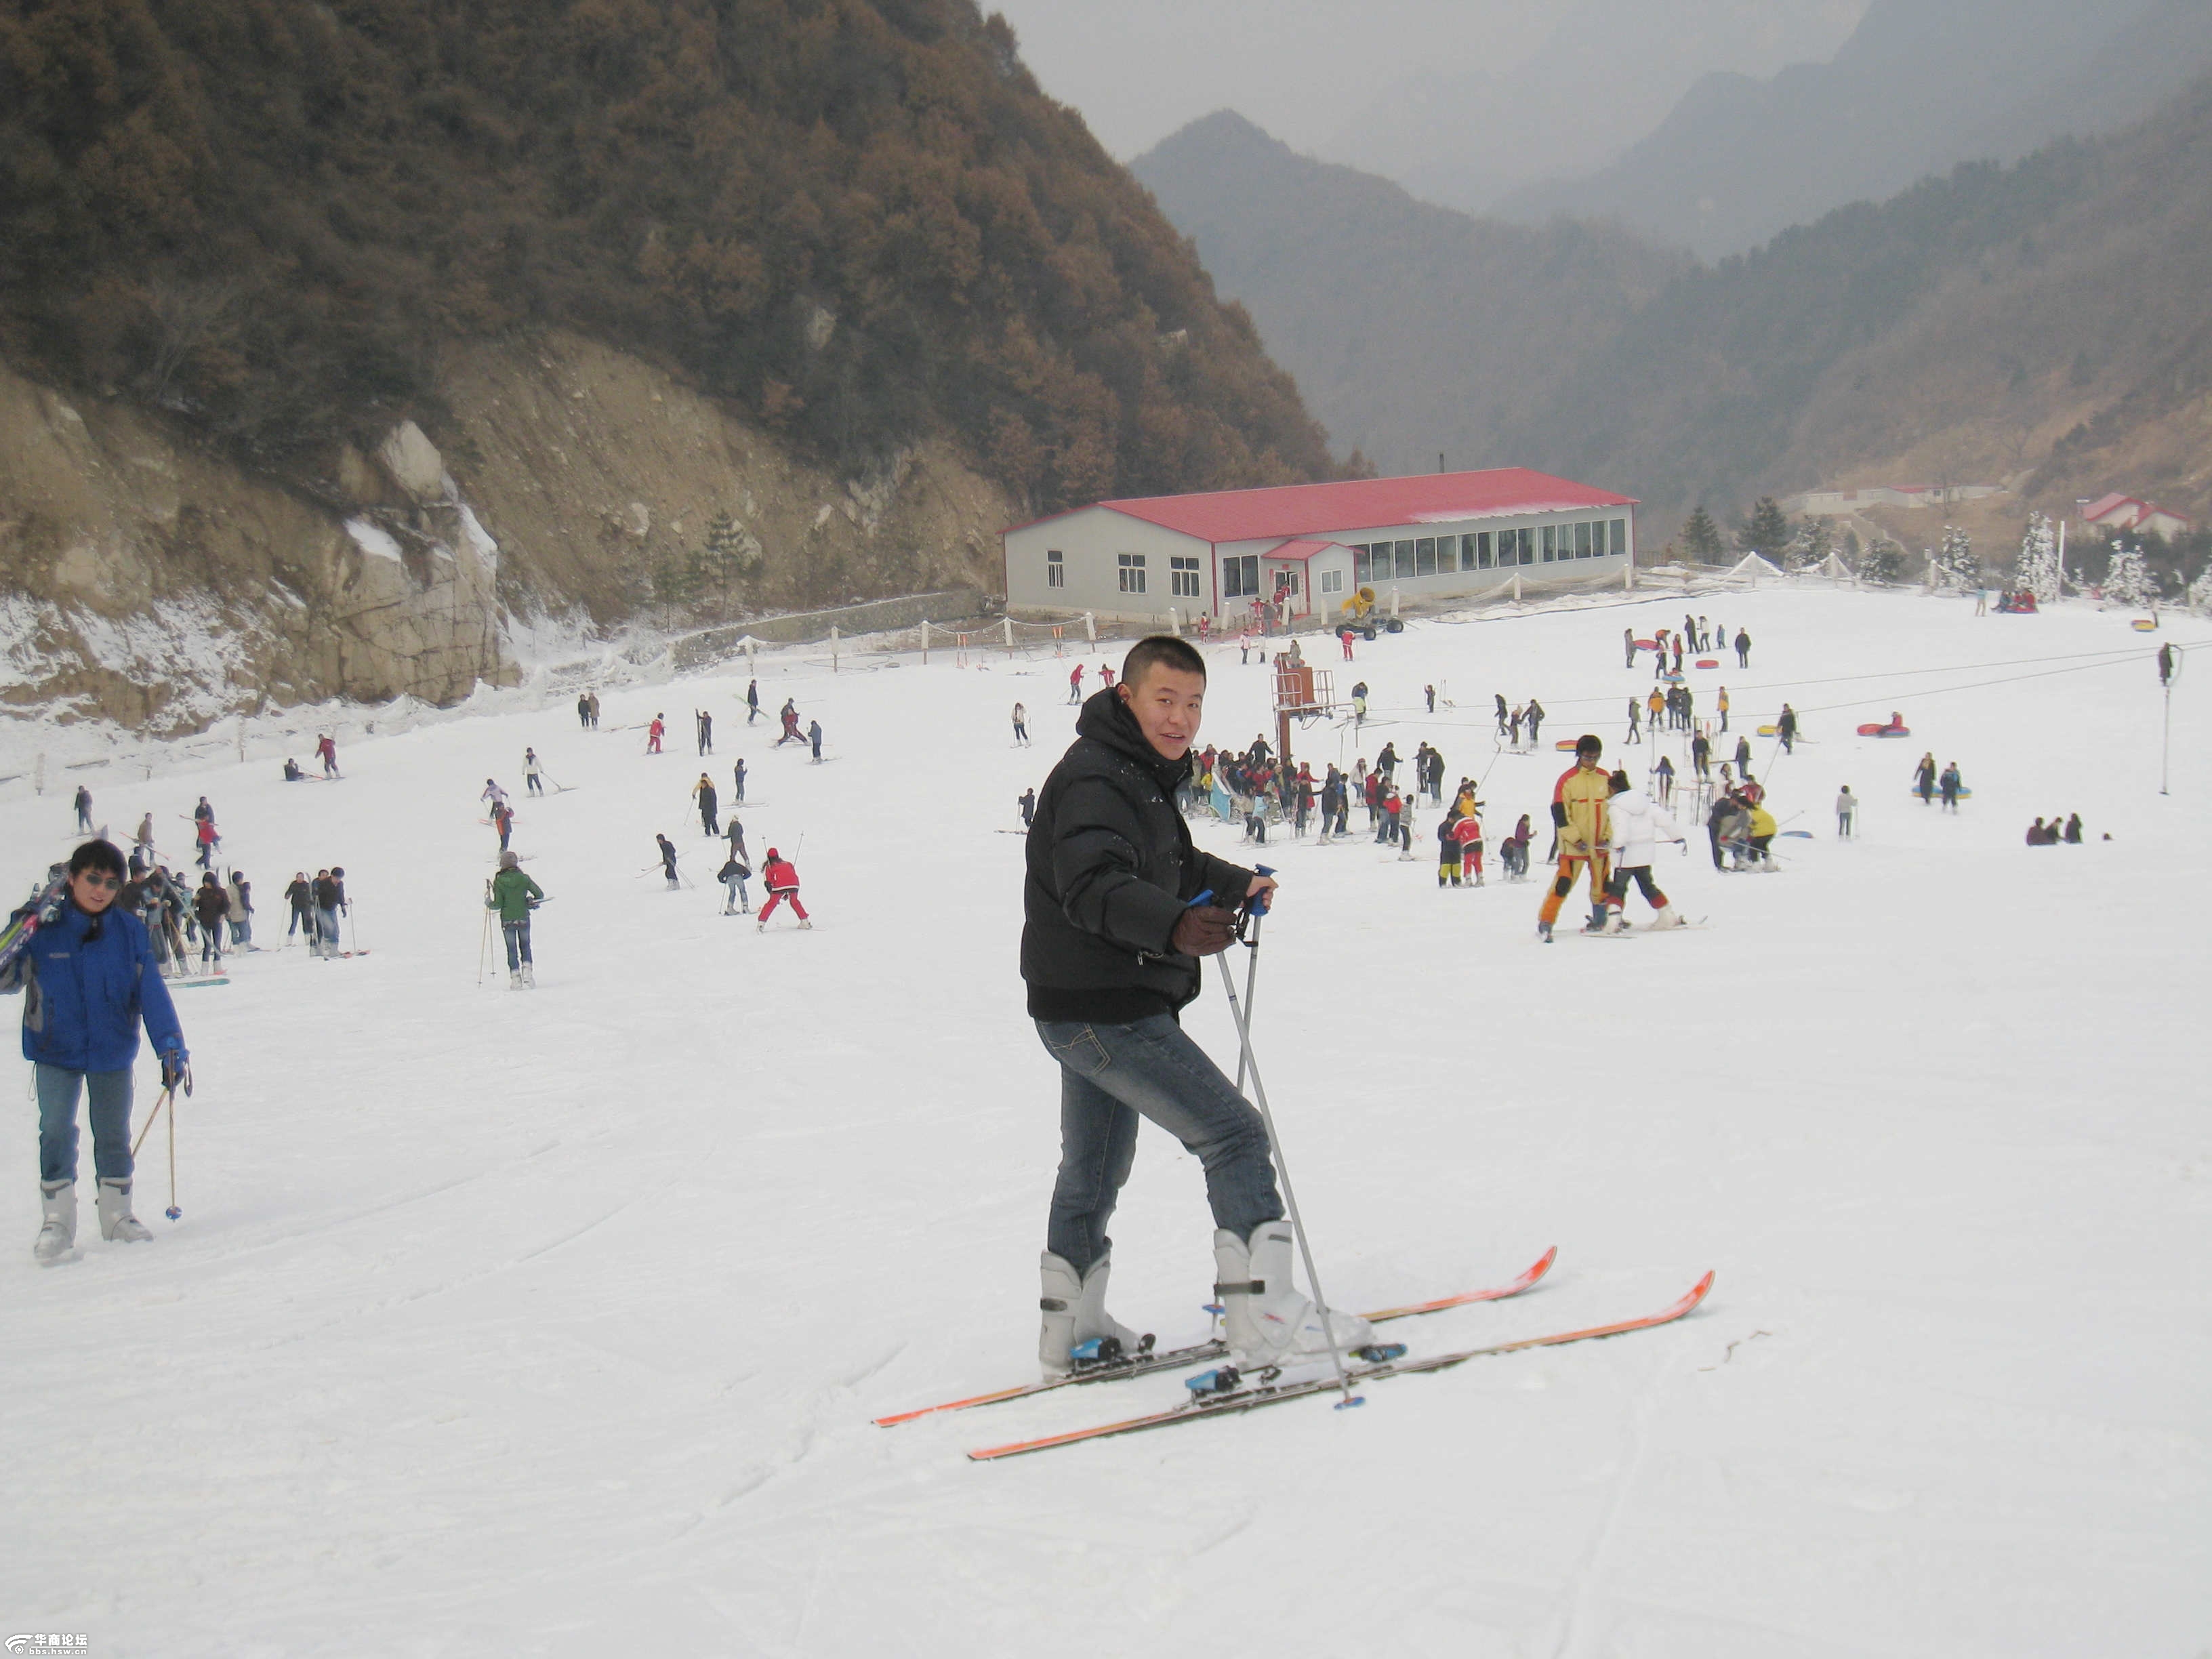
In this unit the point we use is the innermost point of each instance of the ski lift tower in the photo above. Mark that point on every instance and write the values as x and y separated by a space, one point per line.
1303 693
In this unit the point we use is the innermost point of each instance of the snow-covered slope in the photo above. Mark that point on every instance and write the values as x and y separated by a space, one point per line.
509 1324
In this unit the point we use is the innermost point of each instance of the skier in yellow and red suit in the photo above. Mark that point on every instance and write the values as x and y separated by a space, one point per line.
1583 819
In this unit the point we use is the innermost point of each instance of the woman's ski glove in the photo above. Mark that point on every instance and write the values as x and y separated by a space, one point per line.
177 1070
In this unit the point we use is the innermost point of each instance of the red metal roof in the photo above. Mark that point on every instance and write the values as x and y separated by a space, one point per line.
1299 551
2104 504
1238 515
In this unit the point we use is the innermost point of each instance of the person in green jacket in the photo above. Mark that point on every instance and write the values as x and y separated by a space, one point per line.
514 896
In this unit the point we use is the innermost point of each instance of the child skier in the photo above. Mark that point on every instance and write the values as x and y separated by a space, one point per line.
1639 826
732 875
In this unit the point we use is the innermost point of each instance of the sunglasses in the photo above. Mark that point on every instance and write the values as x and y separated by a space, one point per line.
101 878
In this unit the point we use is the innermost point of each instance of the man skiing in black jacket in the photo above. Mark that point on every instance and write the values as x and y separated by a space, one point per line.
1114 928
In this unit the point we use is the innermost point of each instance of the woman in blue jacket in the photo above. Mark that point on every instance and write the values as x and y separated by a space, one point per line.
89 981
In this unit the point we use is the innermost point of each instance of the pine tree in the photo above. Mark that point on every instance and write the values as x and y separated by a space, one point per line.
2037 568
2127 581
1767 530
1957 565
675 582
1810 544
1701 537
1884 563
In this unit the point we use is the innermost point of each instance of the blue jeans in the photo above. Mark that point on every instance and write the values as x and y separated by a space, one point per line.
517 934
1110 1076
326 924
109 1093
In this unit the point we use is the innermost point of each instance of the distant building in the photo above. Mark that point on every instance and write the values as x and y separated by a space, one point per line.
1308 548
2124 512
1835 503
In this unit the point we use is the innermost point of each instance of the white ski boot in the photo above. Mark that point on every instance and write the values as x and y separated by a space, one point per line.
116 1221
1669 917
1616 922
1075 1309
806 924
58 1228
514 979
529 975
1270 1323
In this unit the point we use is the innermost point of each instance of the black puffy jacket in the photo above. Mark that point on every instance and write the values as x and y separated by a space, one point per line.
1111 866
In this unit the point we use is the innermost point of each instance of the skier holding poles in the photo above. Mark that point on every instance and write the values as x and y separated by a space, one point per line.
514 896
1118 908
91 983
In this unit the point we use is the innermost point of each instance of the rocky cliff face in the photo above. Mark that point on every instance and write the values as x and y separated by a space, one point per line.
144 579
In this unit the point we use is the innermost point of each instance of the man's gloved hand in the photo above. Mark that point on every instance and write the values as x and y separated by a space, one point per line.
177 1070
1204 930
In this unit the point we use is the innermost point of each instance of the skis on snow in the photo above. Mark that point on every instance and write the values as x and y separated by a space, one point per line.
1149 1360
1224 1394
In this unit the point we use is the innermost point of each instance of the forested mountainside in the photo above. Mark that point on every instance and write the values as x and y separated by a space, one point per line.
858 219
370 323
2042 321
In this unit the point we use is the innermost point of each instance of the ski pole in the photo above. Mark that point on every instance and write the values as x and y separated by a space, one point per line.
160 1101
172 1211
1257 911
483 939
1251 976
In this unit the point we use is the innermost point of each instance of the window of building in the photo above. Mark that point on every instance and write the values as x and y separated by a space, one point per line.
1474 552
1055 568
1183 577
1424 556
1287 584
1619 535
1240 577
1582 541
1527 537
1447 554
1332 581
1406 559
1132 572
1551 542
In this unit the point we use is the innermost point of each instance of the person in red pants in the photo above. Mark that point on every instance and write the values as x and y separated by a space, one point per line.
782 882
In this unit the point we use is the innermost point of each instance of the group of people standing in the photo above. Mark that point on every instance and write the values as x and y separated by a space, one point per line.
1928 783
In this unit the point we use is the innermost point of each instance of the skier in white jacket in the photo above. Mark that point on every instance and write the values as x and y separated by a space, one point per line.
1639 826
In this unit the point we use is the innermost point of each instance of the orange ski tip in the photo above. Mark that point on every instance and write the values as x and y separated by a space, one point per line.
948 1405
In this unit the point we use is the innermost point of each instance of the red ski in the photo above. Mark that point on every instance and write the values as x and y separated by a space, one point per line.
1142 1365
1245 1399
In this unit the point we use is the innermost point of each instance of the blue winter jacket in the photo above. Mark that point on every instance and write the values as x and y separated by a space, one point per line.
83 1001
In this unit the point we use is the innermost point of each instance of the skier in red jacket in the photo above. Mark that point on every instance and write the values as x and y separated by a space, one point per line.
654 733
781 879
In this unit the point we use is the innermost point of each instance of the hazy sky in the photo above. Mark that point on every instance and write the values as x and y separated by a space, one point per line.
1139 69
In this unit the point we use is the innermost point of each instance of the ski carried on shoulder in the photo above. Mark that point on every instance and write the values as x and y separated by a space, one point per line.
1145 1363
1220 1394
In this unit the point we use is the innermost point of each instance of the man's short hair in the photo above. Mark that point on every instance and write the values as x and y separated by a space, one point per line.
1589 744
1165 651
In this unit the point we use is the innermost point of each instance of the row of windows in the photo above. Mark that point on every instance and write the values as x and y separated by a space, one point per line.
1426 556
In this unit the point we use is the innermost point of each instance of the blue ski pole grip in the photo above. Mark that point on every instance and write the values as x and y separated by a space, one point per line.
1204 897
1259 906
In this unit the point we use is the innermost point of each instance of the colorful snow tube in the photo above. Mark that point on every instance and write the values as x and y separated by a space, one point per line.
1937 794
1765 731
1709 662
2145 624
1565 745
1647 644
1874 729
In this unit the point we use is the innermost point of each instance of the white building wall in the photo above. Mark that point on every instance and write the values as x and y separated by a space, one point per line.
1092 541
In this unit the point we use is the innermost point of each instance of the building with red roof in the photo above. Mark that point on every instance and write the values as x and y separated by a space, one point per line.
1301 550
2114 514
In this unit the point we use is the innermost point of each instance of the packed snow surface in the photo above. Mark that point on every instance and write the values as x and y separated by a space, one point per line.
512 1323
